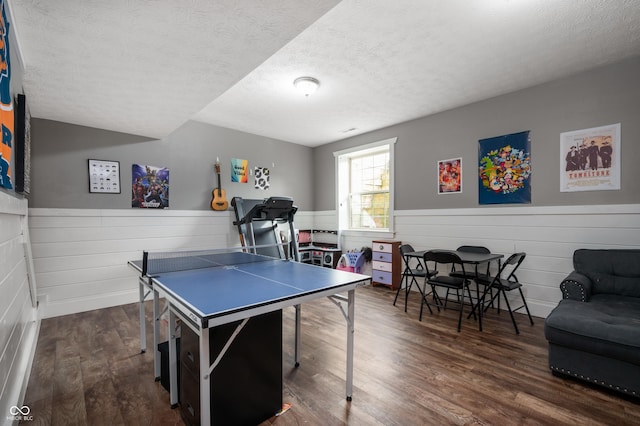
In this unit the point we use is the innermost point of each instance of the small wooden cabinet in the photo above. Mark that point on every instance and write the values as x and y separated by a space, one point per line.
386 268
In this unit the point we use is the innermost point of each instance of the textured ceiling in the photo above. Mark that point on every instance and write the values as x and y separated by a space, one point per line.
146 67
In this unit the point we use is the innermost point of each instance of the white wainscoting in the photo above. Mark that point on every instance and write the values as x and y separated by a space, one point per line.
18 313
549 236
81 255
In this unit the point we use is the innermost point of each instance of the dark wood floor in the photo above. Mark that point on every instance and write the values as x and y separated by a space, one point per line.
88 370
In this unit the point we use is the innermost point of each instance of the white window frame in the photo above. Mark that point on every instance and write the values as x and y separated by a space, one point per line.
342 187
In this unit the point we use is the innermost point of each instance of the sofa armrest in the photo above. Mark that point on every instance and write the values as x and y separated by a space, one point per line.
576 286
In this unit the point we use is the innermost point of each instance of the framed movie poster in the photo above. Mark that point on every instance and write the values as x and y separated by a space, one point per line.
505 169
450 176
150 187
590 159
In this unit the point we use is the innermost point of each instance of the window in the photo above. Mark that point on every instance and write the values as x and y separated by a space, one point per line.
364 179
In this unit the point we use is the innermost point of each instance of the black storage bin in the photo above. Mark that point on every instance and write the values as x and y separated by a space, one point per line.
164 364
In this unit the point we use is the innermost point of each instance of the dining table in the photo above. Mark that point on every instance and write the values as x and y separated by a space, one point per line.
468 258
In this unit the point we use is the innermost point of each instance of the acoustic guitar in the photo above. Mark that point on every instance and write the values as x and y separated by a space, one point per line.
219 201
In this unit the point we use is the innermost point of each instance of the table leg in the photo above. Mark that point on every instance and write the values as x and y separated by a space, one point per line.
173 359
350 335
297 338
205 378
143 329
156 335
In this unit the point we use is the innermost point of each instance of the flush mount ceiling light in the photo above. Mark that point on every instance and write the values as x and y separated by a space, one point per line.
306 85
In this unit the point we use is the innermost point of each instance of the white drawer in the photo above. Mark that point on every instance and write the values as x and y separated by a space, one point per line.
382 266
383 247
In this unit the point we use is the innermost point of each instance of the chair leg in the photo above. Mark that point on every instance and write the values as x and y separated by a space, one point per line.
513 319
480 303
408 290
470 301
436 298
424 295
490 304
423 300
525 305
404 279
461 303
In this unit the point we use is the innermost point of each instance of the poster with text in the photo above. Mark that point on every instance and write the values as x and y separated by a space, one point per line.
505 169
590 159
450 176
150 187
239 170
6 103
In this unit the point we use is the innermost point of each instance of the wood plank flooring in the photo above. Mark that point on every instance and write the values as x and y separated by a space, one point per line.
88 370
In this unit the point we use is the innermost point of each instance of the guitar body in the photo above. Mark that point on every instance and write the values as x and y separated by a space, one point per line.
219 201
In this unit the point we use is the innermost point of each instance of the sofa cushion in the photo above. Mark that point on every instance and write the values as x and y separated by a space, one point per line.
607 325
612 271
614 284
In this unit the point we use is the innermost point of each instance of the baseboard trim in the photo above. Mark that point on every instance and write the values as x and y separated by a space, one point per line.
73 306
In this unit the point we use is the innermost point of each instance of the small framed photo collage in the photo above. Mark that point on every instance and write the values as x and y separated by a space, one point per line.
104 177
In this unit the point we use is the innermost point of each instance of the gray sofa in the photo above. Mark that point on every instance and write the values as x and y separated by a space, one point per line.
594 332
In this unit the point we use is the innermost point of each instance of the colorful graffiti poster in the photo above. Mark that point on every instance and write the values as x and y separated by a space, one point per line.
261 175
450 176
239 170
590 159
6 102
150 187
505 169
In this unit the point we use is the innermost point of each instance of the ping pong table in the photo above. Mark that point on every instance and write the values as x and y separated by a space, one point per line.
207 289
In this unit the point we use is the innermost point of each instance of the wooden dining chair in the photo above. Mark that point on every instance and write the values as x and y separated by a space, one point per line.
445 280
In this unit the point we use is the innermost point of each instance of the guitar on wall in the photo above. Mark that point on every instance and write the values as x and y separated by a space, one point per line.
219 201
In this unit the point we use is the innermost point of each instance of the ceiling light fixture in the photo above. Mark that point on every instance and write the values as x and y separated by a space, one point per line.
306 85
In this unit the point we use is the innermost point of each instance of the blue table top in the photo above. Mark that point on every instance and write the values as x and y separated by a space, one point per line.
216 291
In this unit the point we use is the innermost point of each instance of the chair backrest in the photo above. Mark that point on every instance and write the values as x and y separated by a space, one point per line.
474 249
404 249
514 260
443 257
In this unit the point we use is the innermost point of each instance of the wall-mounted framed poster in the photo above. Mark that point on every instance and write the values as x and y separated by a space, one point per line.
505 169
450 176
590 159
104 176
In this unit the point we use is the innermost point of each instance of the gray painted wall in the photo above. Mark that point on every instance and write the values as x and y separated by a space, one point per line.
603 96
60 170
